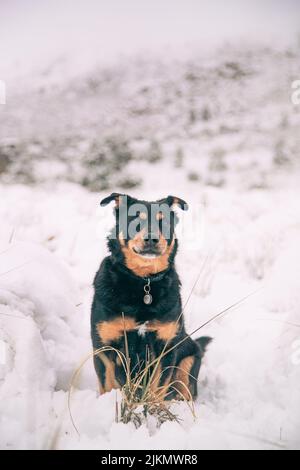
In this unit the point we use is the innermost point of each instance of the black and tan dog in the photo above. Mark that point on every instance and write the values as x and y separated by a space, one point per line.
137 300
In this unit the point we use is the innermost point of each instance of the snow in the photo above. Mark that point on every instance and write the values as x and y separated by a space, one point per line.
249 385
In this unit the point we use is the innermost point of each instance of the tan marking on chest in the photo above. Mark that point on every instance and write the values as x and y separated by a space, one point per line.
113 330
165 331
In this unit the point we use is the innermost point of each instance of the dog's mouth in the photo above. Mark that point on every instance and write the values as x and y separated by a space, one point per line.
146 253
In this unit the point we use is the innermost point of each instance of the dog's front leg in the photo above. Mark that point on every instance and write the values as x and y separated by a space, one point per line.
188 365
111 362
105 366
162 336
162 373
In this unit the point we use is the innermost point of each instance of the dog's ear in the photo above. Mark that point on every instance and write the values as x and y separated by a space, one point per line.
174 201
117 197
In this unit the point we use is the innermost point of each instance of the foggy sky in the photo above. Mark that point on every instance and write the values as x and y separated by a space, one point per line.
34 32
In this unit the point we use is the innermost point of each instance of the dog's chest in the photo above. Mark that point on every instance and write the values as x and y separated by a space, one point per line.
133 299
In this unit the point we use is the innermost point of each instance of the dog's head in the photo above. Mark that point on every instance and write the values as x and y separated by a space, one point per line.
144 235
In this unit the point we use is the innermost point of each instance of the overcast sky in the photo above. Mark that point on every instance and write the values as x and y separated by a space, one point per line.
34 32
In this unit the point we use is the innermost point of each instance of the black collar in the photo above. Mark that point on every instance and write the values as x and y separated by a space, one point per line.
152 277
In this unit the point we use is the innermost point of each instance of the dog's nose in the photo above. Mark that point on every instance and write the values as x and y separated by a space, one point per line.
151 238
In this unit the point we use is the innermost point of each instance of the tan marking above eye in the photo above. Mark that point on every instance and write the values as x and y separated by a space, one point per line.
159 216
113 330
165 331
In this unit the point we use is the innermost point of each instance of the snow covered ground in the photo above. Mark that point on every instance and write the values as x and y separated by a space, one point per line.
218 130
51 244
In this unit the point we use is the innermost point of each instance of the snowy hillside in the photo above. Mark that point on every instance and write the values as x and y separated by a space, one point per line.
219 131
223 118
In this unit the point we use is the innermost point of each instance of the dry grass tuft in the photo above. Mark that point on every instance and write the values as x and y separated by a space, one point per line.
141 397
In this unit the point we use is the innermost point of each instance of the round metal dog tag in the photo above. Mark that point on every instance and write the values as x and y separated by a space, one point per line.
148 299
